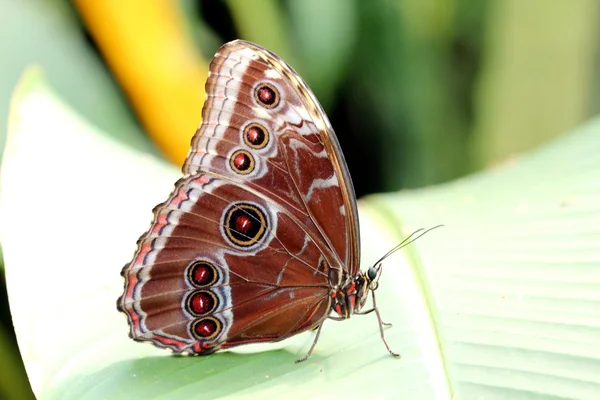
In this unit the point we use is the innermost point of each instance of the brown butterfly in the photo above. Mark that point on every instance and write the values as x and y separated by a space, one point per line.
259 241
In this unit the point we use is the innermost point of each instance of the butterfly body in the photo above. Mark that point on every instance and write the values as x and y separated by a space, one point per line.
259 240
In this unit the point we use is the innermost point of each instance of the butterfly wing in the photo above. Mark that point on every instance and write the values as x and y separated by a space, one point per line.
302 166
246 247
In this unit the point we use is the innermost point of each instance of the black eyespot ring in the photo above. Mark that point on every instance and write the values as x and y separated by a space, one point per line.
256 136
245 224
242 162
267 95
202 274
206 328
201 302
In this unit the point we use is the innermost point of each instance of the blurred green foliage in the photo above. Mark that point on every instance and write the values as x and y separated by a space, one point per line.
419 92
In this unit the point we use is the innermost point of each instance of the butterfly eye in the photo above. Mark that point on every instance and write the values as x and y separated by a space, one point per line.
242 162
245 224
267 95
372 273
256 136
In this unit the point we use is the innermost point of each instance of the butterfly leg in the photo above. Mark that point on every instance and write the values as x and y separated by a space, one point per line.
312 346
381 325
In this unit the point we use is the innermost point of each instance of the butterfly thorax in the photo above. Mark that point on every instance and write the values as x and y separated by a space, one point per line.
352 296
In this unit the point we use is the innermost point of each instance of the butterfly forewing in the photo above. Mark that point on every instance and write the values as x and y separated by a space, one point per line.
298 163
242 250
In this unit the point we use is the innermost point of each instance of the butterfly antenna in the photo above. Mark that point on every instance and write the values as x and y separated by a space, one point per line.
411 238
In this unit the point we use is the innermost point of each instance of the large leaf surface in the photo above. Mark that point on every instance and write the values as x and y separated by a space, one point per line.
503 302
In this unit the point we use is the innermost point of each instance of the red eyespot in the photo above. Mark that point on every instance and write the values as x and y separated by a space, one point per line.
205 328
202 273
267 95
245 224
256 136
201 302
242 162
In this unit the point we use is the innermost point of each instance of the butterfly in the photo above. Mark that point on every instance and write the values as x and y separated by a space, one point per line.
259 240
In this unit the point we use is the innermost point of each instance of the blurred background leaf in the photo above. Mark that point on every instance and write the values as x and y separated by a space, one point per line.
419 92
48 33
539 75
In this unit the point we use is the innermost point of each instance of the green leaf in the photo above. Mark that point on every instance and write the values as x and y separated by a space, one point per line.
503 302
334 41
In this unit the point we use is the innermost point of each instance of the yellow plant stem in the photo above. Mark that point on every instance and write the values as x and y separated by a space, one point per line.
151 54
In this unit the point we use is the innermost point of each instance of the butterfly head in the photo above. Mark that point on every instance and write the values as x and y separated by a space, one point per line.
366 282
372 276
